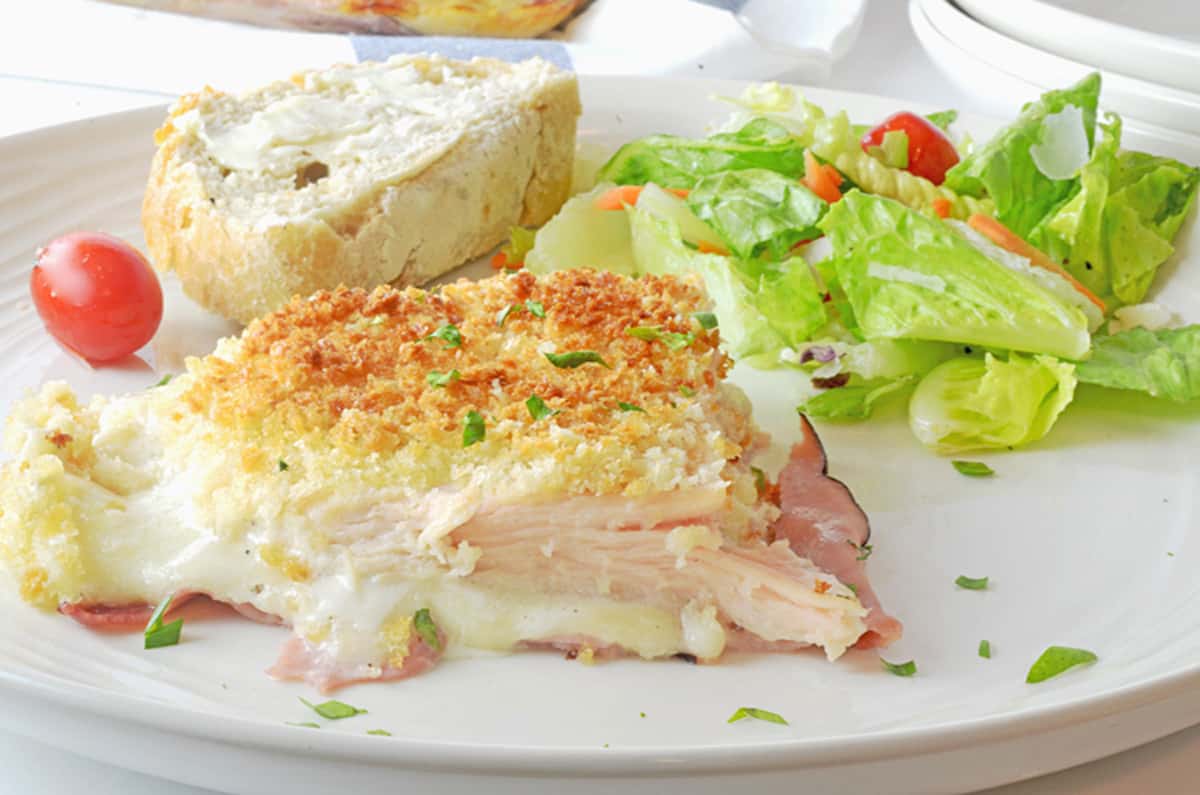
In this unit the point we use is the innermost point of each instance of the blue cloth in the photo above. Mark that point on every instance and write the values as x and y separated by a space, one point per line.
379 48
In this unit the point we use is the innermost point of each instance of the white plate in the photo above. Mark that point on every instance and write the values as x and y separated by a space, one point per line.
1155 40
1087 538
1153 110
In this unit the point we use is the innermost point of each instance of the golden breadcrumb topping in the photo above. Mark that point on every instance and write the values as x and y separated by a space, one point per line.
358 365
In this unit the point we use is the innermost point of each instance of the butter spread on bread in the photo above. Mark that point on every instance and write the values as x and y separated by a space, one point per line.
380 172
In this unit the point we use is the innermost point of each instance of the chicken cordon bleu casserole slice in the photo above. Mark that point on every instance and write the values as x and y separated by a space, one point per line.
511 463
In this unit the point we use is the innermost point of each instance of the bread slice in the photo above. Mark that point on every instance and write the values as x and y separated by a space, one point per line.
390 172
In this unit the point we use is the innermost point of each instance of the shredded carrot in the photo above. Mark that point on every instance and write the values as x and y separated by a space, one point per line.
704 247
618 197
834 175
500 262
819 181
941 206
1004 237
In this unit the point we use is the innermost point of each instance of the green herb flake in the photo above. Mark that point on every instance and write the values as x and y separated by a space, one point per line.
505 312
474 430
853 588
1056 660
439 380
158 635
985 649
380 733
760 479
572 359
623 406
535 308
333 710
973 469
643 714
758 714
864 550
972 583
305 725
448 334
166 379
423 623
707 320
672 339
283 465
900 669
538 408
687 391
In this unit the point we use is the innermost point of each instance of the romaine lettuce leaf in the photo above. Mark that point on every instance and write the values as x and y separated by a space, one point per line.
1114 233
875 369
942 119
675 162
827 135
1162 363
975 404
855 401
910 276
1006 170
1160 189
761 308
753 210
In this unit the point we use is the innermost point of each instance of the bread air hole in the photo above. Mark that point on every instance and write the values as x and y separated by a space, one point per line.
311 172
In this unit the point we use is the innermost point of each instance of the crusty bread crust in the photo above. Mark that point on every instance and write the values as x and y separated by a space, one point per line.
513 168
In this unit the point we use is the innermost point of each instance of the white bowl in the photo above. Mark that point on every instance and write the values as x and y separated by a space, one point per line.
1135 39
1003 74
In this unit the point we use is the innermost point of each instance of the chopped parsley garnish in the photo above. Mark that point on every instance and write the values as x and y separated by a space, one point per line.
1056 660
333 710
534 308
672 339
448 334
283 465
572 359
707 320
760 479
758 714
538 408
305 725
157 634
623 406
864 550
853 588
900 669
985 649
439 380
643 714
473 428
687 391
973 469
380 732
166 379
423 623
972 583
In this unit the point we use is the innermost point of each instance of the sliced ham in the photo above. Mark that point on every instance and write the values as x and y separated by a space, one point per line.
822 522
119 617
299 661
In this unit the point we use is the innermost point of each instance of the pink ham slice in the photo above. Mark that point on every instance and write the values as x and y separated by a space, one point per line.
300 662
134 617
822 522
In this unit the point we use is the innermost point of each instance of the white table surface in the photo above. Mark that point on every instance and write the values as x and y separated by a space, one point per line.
886 60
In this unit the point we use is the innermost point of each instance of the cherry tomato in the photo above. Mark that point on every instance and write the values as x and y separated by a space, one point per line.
96 294
930 153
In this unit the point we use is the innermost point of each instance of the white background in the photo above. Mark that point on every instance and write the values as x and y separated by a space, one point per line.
885 60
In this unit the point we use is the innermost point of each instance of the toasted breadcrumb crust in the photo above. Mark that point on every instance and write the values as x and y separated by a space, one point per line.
354 363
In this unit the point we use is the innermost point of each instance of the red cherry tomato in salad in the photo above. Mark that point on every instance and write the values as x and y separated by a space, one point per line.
930 153
96 294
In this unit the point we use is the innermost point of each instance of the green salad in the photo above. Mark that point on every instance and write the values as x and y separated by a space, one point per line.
980 281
